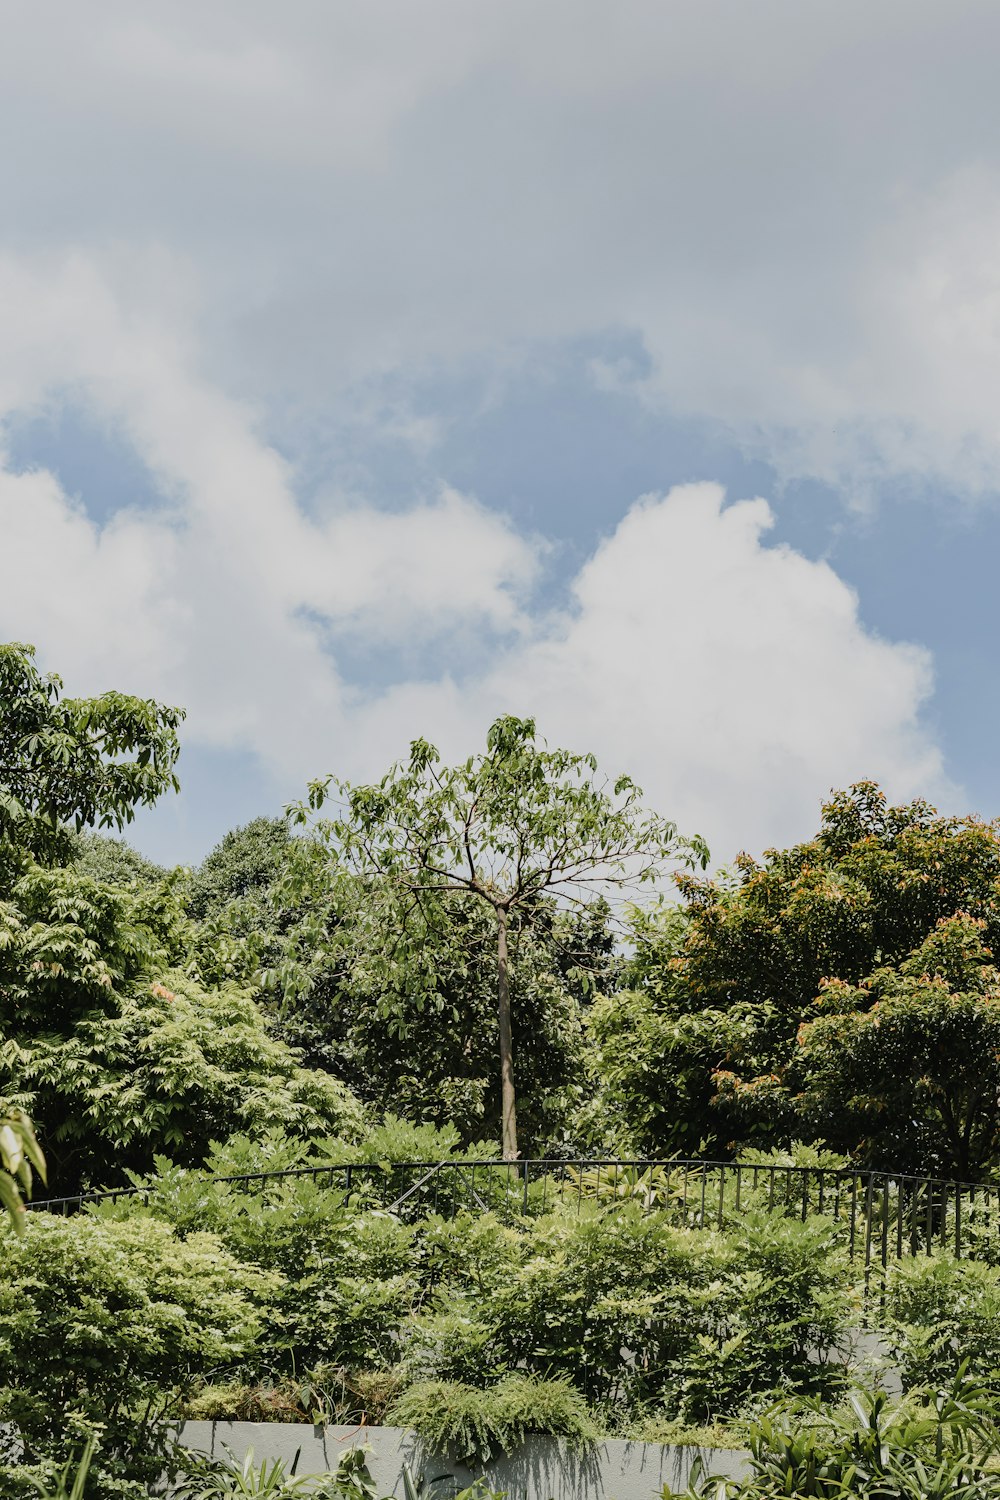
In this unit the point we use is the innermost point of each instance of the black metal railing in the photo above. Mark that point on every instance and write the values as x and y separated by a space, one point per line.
878 1216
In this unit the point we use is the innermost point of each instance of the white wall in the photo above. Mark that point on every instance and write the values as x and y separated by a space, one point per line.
543 1469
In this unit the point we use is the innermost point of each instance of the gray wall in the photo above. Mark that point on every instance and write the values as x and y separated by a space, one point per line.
543 1470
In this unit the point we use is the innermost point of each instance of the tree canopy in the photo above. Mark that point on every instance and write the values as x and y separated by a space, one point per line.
74 762
503 829
843 988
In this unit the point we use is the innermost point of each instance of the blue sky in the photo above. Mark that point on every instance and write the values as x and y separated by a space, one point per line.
366 371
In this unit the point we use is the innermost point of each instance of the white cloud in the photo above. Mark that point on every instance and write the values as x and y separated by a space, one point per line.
220 600
734 680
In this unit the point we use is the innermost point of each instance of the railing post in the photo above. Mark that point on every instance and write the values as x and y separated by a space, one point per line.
868 1228
854 1211
885 1224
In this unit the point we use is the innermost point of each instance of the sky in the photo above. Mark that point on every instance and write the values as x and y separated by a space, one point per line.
369 369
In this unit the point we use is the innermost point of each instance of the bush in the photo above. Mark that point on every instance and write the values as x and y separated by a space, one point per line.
639 1315
939 1312
346 1277
635 1312
102 1325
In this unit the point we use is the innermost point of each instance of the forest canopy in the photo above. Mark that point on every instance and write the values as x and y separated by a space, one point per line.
319 972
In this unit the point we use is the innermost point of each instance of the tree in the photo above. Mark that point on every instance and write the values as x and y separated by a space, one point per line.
66 764
804 996
73 762
242 867
409 1027
117 1052
503 829
113 862
909 1060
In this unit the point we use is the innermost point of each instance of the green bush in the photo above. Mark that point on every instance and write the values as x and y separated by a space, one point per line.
102 1325
636 1312
347 1277
780 1316
640 1316
940 1311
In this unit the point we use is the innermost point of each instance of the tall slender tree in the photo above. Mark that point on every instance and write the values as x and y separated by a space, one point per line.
504 828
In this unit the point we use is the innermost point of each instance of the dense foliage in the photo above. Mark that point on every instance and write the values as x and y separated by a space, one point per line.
937 1443
470 1326
842 990
352 990
73 762
101 1326
117 1052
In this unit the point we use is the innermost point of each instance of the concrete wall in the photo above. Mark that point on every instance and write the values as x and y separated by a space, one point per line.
544 1469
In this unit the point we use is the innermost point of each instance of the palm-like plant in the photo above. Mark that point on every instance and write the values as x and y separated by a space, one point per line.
931 1445
232 1479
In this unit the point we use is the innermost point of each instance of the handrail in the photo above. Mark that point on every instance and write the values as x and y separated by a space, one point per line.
884 1215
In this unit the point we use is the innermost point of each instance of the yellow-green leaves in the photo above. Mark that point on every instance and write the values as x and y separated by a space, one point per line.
20 1154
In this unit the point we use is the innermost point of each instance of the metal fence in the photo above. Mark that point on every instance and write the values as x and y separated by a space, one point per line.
877 1216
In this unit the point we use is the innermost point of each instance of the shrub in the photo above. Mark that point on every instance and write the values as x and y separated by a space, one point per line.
940 1311
636 1312
780 1315
346 1277
450 1418
105 1324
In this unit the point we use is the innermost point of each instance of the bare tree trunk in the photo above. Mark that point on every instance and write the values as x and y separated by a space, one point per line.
507 1108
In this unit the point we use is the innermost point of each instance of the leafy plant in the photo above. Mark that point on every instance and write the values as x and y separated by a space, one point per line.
940 1312
72 1479
423 1488
472 1424
233 1479
936 1444
73 761
106 1323
19 1153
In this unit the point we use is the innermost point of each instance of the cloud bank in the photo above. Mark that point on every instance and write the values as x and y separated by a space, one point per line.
734 679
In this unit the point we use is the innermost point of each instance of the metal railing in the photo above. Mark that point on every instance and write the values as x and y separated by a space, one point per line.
878 1216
